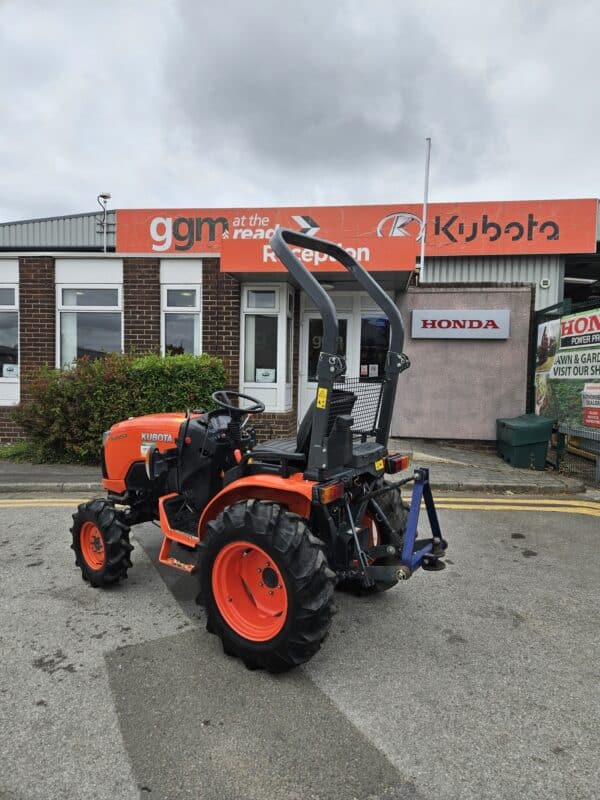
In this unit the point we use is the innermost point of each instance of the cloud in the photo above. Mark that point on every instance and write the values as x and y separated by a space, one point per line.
344 91
183 103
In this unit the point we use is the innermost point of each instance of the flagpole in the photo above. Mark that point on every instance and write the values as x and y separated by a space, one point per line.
425 200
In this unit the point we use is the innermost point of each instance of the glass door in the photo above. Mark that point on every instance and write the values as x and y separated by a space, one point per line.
311 342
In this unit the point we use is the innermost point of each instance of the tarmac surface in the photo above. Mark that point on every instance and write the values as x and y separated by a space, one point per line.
480 681
452 468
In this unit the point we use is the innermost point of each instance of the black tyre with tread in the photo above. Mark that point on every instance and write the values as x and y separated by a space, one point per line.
114 531
300 559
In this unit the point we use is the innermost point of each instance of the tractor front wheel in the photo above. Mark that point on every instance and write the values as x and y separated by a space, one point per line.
101 543
266 586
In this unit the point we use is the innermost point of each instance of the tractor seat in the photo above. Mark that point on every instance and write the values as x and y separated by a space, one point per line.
295 451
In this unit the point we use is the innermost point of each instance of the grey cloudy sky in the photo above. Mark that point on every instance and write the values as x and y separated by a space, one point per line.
197 104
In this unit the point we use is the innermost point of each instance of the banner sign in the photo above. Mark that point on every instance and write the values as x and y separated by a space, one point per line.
580 330
567 379
382 237
439 323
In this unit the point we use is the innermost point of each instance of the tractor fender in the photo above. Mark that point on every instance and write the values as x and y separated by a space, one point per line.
294 492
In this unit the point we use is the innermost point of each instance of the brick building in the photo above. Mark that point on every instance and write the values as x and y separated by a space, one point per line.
206 281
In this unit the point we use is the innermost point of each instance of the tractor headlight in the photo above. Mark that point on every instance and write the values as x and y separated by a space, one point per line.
105 436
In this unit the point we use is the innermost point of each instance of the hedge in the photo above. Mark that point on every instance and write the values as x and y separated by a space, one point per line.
68 410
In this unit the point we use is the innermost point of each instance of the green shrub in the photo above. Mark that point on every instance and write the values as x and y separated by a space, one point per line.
68 410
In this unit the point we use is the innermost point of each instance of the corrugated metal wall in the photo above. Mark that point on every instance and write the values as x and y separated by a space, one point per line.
75 232
502 269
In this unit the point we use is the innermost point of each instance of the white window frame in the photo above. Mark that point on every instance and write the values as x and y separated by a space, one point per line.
15 308
196 310
277 396
60 309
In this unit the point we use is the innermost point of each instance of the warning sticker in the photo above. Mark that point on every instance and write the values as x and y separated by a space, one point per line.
321 397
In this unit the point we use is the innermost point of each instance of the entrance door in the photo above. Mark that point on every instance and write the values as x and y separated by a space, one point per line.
311 331
363 339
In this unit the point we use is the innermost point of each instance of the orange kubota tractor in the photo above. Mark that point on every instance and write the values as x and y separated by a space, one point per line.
269 529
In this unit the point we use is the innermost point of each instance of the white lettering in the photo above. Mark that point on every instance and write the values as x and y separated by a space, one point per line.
164 236
268 254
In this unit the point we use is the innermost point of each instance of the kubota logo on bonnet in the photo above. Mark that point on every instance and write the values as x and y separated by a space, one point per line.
156 437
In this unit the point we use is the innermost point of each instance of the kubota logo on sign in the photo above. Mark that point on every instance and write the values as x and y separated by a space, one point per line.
401 223
455 229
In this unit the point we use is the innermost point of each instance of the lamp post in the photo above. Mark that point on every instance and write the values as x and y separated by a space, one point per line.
425 202
103 199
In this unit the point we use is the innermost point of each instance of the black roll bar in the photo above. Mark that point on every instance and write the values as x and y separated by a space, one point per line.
284 237
330 365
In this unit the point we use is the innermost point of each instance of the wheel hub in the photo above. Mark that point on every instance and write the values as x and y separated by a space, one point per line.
249 591
92 545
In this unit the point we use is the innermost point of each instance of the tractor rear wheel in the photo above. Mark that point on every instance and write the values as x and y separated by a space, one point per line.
396 513
266 586
101 543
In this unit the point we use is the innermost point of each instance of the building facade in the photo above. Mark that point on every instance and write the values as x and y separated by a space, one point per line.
206 280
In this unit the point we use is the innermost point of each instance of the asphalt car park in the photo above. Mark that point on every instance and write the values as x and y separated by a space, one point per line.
477 682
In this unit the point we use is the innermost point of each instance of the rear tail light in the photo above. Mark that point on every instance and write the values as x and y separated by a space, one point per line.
330 492
396 463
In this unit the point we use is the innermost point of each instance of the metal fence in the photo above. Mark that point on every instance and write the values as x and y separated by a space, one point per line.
575 451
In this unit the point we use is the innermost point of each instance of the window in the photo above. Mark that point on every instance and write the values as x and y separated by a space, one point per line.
315 343
9 333
181 320
90 322
374 346
267 347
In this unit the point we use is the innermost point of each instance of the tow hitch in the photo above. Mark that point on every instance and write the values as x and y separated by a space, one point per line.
414 552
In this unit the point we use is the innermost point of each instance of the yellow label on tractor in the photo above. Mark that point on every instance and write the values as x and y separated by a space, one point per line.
321 397
379 464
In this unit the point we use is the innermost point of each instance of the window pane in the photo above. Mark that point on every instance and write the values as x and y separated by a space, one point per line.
90 335
315 340
9 342
374 343
181 334
181 298
7 297
90 297
261 299
260 361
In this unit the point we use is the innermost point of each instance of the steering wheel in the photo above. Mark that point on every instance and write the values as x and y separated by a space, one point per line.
226 399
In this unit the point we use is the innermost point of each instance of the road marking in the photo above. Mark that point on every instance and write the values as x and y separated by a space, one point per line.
519 501
498 507
587 508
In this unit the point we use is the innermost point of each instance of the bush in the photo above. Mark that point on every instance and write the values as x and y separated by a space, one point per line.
68 410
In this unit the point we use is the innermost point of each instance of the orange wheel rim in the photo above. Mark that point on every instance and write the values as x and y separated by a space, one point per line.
374 535
249 591
92 545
